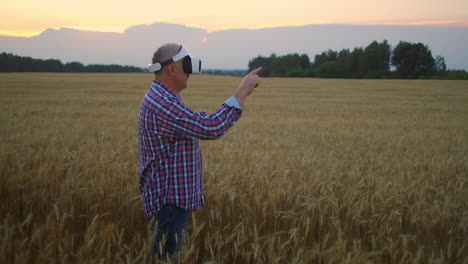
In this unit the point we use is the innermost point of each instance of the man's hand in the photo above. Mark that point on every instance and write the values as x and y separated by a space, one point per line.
250 82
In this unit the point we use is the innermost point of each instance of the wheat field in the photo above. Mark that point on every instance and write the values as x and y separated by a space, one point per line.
316 171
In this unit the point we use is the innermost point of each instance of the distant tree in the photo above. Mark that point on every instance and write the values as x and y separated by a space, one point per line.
344 66
373 61
330 69
358 63
413 60
291 65
73 66
3 62
441 67
224 72
265 62
456 75
325 57
14 63
52 65
7 62
377 58
110 68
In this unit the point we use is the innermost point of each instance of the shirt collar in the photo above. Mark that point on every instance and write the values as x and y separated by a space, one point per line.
159 84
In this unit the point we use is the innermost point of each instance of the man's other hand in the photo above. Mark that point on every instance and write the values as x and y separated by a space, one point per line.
250 82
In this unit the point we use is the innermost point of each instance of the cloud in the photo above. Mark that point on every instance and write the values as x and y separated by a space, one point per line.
232 49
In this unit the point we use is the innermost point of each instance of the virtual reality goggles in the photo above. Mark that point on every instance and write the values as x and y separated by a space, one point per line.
190 64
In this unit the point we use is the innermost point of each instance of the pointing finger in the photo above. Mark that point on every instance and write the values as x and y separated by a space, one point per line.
255 71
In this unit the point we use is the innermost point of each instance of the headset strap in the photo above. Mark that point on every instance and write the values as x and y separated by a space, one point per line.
180 55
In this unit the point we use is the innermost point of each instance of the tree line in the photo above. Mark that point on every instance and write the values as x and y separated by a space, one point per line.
223 72
13 63
409 61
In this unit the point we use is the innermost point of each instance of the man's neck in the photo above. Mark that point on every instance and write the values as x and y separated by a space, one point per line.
168 83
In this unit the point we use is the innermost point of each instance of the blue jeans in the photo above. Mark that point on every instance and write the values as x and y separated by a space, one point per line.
171 223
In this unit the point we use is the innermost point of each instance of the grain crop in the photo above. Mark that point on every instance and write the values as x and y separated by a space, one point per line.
315 171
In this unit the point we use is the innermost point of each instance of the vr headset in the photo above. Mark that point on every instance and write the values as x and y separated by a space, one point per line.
190 64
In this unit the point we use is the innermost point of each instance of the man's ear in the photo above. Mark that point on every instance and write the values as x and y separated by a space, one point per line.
171 69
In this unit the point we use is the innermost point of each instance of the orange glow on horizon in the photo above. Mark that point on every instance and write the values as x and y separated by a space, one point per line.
117 29
114 29
434 22
431 23
9 33
31 17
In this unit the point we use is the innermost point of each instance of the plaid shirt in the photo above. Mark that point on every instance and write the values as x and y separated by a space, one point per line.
170 163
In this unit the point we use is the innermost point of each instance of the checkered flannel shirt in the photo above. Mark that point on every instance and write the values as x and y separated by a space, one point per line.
170 163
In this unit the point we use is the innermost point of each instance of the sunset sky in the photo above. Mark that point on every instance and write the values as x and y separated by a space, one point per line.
30 17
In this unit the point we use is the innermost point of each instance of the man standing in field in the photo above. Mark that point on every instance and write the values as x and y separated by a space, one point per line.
170 163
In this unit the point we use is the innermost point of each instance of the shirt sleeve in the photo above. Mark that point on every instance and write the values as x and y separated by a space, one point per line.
175 119
232 102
